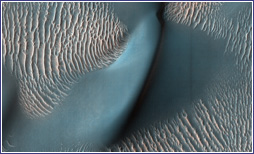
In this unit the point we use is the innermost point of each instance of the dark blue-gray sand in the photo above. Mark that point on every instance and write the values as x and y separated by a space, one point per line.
126 76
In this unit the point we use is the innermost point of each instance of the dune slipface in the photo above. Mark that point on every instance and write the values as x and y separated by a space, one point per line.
49 46
197 95
217 115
